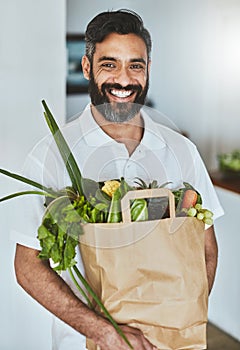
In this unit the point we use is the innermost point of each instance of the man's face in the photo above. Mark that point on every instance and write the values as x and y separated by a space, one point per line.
118 78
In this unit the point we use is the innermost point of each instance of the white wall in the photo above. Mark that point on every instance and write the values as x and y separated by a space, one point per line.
195 77
199 71
32 68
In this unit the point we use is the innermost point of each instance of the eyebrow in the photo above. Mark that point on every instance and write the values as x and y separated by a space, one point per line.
114 59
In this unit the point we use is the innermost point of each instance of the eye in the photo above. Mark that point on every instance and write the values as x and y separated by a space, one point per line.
108 65
137 66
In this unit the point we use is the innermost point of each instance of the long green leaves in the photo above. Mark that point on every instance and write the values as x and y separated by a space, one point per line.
80 288
23 193
62 218
100 305
48 192
67 156
26 180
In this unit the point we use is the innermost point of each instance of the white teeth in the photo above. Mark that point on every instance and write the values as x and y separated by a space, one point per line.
121 93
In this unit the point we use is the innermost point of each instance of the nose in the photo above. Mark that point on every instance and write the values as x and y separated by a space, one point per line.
123 77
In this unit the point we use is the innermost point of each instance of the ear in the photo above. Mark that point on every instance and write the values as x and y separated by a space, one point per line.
86 66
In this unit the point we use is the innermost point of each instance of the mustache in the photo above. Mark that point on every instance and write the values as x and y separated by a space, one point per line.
131 87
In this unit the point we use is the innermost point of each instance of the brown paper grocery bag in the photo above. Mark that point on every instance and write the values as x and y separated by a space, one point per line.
151 274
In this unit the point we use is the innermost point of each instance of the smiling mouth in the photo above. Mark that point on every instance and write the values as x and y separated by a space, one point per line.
121 93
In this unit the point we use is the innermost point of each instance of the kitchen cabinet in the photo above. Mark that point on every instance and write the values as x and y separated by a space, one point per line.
224 302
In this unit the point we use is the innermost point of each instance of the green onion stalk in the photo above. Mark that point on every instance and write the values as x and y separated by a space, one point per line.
65 211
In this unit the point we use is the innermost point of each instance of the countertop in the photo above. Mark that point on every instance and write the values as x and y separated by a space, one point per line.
228 182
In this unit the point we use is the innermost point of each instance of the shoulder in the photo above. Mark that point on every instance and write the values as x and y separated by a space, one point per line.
165 129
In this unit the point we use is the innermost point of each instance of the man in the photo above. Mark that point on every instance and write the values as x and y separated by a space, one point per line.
113 138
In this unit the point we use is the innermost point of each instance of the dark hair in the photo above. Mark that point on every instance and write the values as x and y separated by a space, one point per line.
120 22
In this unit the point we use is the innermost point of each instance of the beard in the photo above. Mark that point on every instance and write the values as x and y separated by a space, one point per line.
117 112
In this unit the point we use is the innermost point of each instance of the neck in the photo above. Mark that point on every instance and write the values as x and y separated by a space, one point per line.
129 133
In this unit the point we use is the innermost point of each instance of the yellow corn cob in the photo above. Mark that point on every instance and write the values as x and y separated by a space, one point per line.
110 187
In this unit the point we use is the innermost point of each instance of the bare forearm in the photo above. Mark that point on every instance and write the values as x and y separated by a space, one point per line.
211 256
45 286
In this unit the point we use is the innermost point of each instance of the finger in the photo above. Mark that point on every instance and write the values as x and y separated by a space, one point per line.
131 330
137 332
147 344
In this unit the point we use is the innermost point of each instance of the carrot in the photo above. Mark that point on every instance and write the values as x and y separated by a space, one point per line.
189 199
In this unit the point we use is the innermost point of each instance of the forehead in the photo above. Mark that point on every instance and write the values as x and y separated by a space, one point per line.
127 46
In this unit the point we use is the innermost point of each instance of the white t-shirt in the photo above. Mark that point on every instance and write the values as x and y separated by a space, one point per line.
163 155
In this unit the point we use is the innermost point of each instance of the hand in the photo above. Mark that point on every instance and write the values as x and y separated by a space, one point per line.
135 335
113 341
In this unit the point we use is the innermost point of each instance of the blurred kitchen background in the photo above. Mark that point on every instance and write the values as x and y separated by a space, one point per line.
195 82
